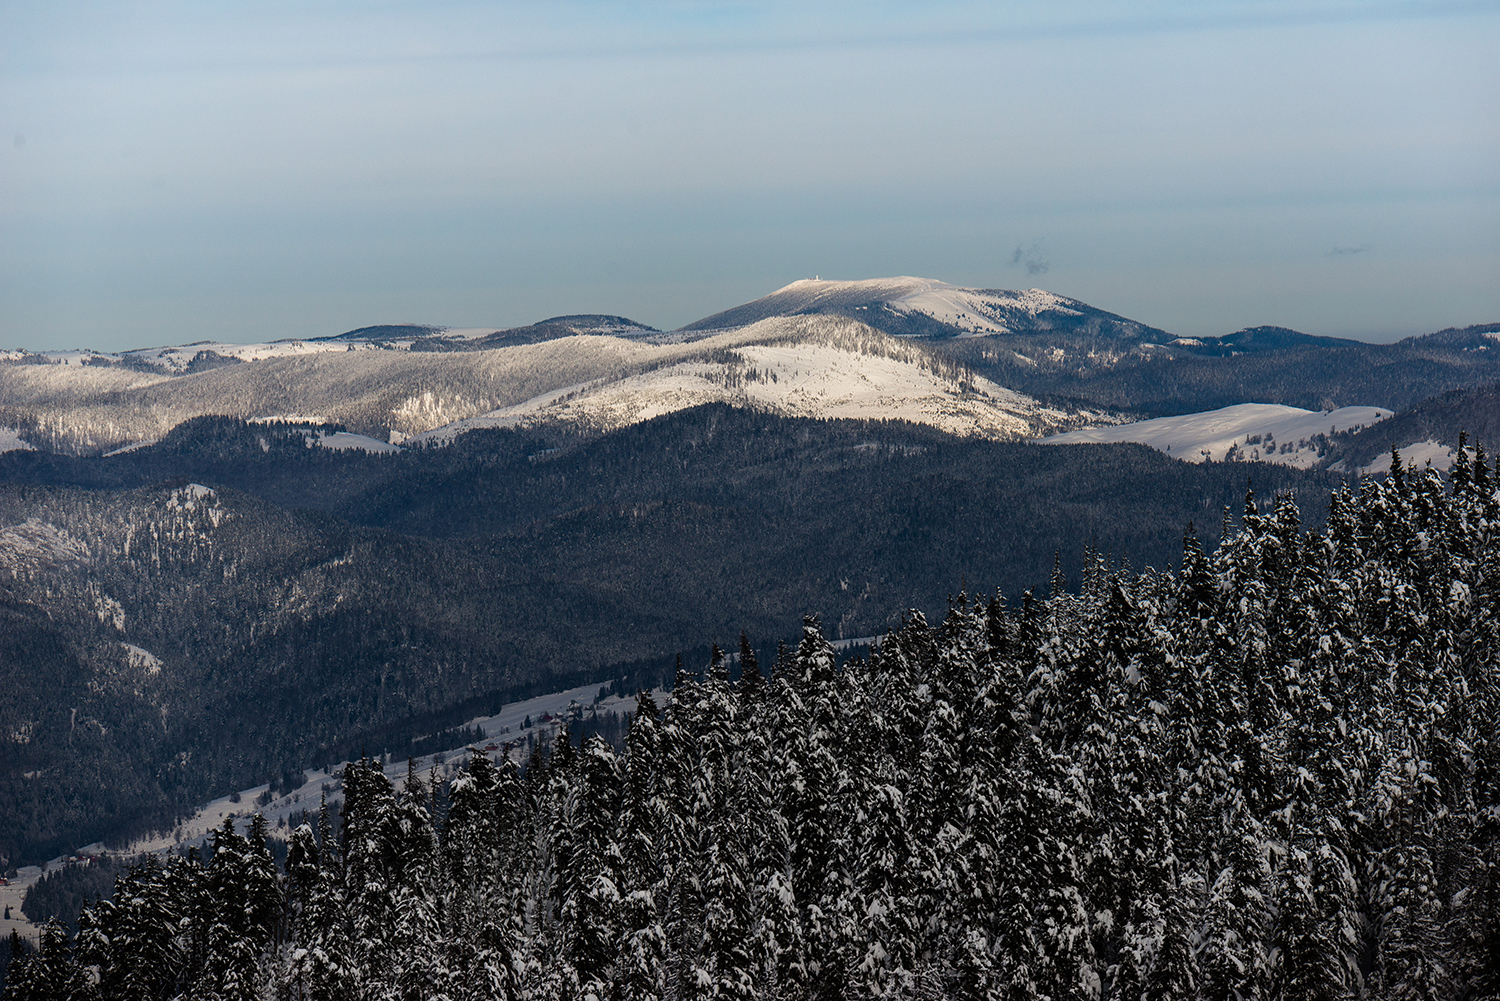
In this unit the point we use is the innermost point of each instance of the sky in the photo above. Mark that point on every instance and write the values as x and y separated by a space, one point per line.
173 172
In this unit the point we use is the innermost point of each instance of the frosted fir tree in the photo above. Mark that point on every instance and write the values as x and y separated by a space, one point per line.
1235 965
724 966
369 861
817 827
136 939
644 819
422 973
50 974
893 873
590 900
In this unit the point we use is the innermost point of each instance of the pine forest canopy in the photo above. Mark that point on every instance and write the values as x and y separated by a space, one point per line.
1271 773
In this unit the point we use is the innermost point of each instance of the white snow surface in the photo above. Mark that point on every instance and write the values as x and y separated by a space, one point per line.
795 379
976 311
142 659
122 450
1285 433
345 439
10 441
177 359
979 312
1423 453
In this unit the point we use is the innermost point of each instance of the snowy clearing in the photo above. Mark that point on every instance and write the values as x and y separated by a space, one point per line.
1248 432
10 441
345 440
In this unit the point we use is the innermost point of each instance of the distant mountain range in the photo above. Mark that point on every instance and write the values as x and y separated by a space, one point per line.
999 364
218 562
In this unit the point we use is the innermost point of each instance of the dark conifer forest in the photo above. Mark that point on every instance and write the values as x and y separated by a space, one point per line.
1269 774
322 602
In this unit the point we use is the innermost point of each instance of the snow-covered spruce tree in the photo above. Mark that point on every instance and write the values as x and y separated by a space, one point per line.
319 964
18 973
816 811
420 972
891 883
1176 892
993 945
725 965
488 833
303 873
555 785
135 938
643 839
1413 958
1474 926
1306 968
187 892
242 884
589 881
1234 964
370 861
50 974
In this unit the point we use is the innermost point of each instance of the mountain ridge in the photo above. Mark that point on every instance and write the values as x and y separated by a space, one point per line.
1047 361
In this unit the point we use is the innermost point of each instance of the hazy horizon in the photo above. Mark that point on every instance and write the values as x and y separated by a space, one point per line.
170 173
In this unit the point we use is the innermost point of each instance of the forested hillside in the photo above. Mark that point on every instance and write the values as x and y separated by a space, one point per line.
1313 373
1443 420
1270 773
164 641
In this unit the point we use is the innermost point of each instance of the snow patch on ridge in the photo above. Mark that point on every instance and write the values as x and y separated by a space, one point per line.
345 440
979 312
1250 432
1423 453
10 441
177 359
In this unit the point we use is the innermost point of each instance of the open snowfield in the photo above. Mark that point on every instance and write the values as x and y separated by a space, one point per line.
1263 432
11 897
177 359
978 312
798 380
344 440
1423 453
974 312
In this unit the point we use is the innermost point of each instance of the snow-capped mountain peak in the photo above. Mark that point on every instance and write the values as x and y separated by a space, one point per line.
908 305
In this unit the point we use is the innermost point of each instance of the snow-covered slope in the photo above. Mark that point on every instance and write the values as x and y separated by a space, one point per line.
177 360
818 365
809 366
1263 432
343 439
384 394
909 305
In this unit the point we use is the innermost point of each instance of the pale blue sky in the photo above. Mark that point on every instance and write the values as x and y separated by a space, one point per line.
171 172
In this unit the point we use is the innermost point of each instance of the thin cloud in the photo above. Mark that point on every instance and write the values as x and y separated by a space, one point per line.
1031 259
